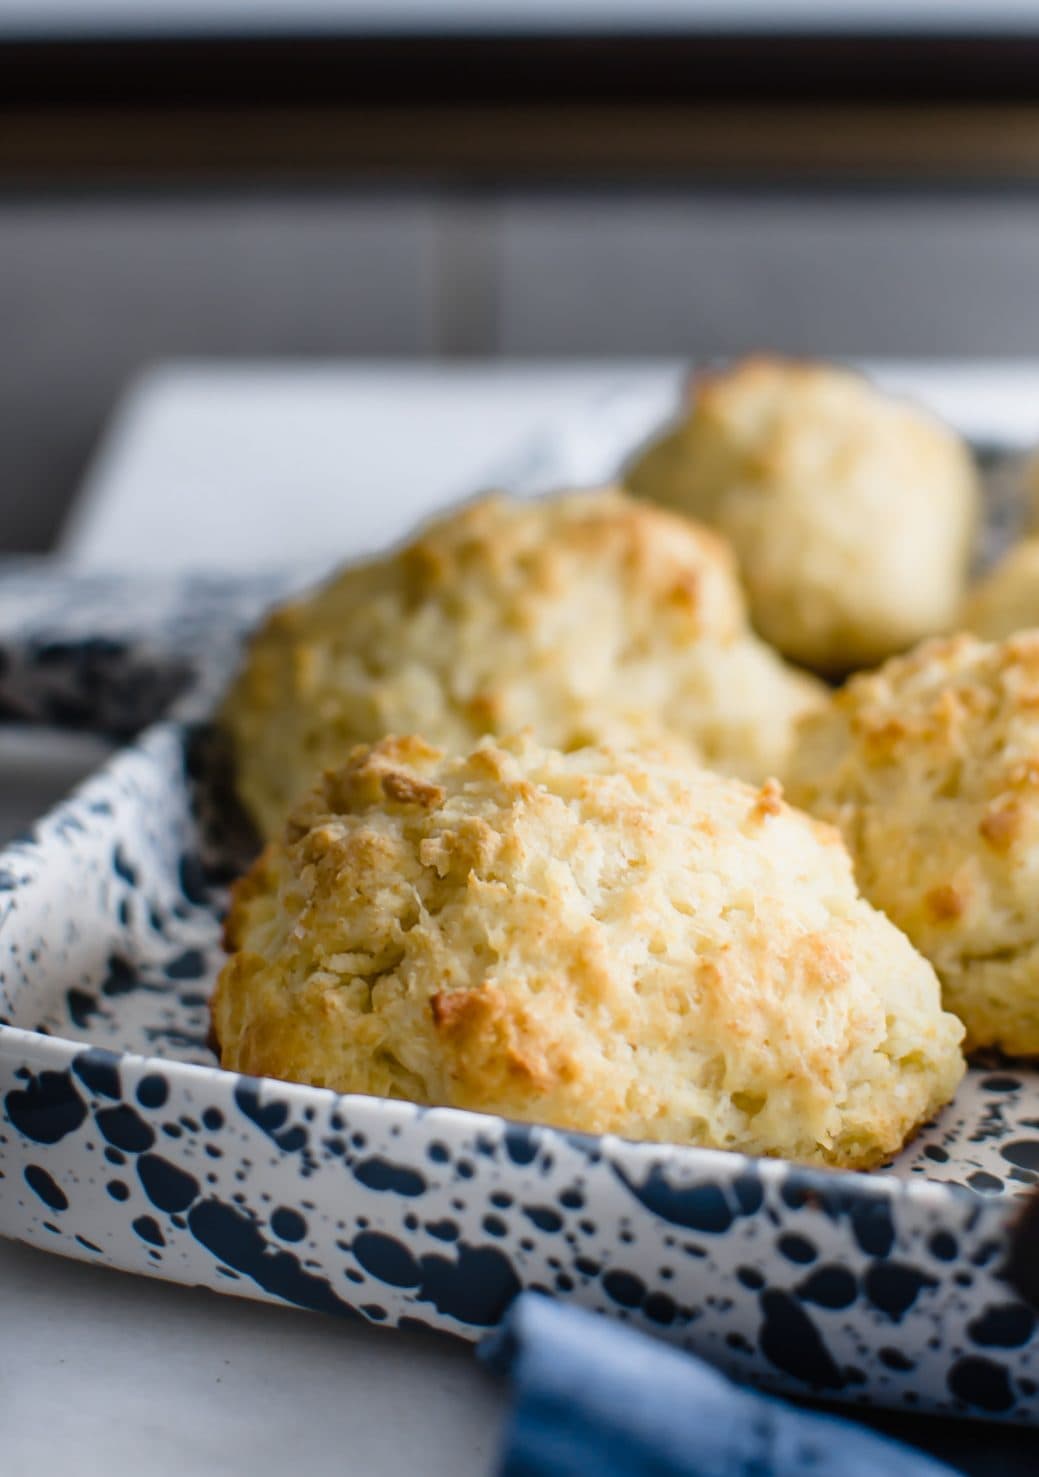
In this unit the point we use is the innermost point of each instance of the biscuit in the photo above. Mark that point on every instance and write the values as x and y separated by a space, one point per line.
601 940
1027 482
1007 598
851 513
583 617
930 767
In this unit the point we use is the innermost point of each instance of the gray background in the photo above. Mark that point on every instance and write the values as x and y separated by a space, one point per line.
95 286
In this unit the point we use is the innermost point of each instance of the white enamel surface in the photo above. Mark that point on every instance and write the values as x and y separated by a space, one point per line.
241 467
247 466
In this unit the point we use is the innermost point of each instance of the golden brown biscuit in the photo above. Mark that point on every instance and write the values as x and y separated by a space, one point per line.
930 767
601 940
1027 482
583 617
851 513
1007 599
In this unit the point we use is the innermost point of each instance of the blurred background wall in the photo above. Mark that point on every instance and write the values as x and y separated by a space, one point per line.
652 191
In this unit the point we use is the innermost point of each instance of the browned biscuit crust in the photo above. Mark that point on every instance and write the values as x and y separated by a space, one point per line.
603 940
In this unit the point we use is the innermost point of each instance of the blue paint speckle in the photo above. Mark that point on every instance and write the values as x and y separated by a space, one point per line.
288 1224
873 1227
47 1109
82 1008
624 1288
702 1207
521 1143
234 1238
1003 1326
445 1230
829 1287
790 1340
51 1193
125 1128
544 1217
271 1118
475 1288
191 965
98 1070
167 1187
894 1287
796 1248
943 1246
152 1091
121 978
381 1174
387 1259
147 1227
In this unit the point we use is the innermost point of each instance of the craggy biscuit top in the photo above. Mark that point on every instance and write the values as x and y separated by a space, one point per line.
583 617
605 940
852 514
930 767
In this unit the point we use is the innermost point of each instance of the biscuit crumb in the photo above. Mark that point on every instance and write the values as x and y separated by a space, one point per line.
768 801
945 902
407 790
1001 825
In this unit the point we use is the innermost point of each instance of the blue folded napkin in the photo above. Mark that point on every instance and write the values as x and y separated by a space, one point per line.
593 1398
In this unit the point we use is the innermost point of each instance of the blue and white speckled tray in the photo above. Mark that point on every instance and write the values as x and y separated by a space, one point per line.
121 1141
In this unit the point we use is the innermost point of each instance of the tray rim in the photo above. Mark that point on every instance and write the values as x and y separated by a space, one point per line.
917 1189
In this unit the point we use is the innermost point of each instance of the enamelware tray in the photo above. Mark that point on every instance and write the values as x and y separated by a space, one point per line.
121 1140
